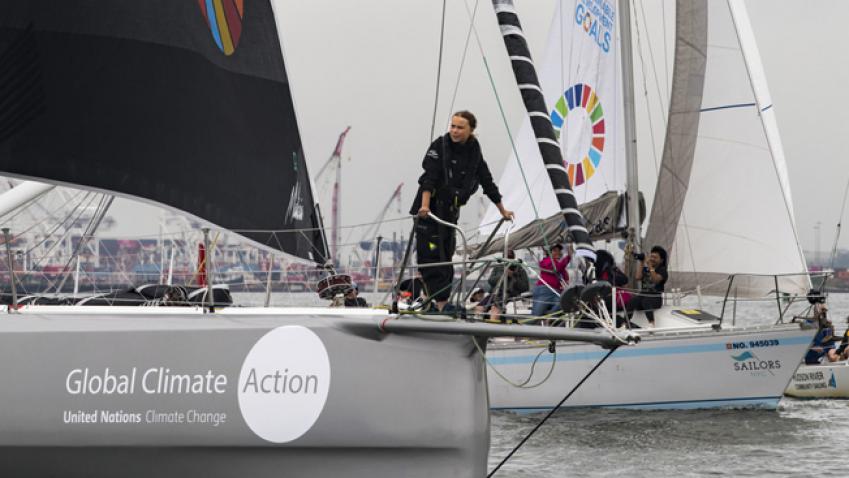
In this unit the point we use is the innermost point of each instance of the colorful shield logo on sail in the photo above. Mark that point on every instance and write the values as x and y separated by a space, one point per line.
224 19
581 97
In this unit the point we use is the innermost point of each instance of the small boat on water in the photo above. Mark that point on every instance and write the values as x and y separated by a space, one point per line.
828 380
727 235
825 379
688 360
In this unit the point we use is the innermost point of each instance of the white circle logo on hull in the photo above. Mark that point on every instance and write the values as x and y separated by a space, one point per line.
284 383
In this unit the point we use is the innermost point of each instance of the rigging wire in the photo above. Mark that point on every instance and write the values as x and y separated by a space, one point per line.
19 210
49 233
48 216
313 229
463 58
507 128
91 228
652 61
501 110
839 225
646 89
91 197
553 410
438 73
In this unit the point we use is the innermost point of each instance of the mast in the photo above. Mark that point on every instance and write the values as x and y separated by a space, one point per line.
633 191
549 147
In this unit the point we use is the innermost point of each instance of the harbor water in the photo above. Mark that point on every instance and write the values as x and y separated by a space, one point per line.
801 438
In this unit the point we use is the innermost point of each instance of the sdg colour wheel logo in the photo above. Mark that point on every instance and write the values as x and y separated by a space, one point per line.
224 19
580 101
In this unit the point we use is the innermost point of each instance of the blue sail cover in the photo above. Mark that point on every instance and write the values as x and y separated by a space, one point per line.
183 103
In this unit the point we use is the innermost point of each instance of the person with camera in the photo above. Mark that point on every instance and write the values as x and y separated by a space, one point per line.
652 275
454 168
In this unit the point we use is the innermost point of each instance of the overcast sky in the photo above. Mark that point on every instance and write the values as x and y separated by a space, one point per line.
372 64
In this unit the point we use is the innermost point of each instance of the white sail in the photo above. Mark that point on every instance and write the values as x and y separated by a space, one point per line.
581 59
737 214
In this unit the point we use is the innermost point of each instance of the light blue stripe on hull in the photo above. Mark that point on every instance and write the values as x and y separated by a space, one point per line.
629 352
769 403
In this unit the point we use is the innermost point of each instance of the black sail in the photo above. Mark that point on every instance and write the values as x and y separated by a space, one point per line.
549 148
181 102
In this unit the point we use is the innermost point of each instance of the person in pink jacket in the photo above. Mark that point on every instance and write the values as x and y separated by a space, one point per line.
552 278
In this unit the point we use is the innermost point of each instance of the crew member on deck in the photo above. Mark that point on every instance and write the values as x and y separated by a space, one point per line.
652 274
552 279
516 279
842 350
353 299
824 342
453 169
506 282
607 270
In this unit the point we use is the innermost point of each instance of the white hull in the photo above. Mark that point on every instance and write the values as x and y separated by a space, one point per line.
672 368
820 381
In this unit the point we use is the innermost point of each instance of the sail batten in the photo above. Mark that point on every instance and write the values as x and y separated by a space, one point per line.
140 100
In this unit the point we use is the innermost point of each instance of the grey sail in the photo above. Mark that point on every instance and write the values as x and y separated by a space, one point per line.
170 102
605 216
685 104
